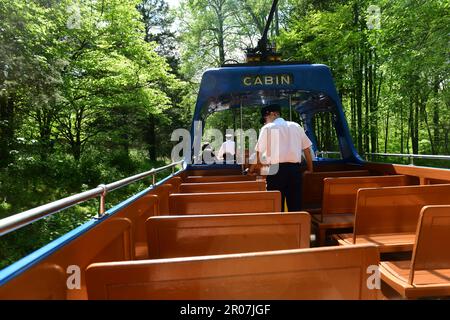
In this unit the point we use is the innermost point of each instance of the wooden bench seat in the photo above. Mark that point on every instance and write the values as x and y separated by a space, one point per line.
202 179
223 186
319 273
312 189
339 199
175 182
390 242
388 217
182 236
427 274
223 203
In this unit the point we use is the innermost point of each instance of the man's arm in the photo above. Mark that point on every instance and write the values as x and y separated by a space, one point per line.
309 162
261 147
254 166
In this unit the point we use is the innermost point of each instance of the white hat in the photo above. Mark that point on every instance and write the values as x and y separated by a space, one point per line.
228 135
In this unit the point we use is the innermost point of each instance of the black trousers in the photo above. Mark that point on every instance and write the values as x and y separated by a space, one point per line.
288 180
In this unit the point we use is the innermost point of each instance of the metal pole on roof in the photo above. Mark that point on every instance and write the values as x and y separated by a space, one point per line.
242 142
290 108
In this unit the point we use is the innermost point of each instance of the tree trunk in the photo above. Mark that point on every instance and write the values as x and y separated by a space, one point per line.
6 129
415 136
359 89
45 120
386 134
436 129
401 129
367 103
446 139
277 22
151 138
425 117
76 151
357 75
221 44
410 125
220 32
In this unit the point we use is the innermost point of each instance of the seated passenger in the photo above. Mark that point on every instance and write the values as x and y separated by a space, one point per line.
227 151
208 156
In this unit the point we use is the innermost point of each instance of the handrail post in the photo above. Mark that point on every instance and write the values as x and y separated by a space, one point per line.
153 179
101 210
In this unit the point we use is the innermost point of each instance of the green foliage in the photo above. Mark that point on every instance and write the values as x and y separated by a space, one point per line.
393 79
80 81
213 32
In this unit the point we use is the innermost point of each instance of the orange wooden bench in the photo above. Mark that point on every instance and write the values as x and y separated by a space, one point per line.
319 273
223 203
201 179
213 172
312 189
156 202
339 199
116 245
388 216
175 182
223 186
428 273
182 236
138 212
163 192
328 167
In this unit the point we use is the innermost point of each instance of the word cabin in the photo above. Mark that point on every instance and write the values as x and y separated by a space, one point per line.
268 80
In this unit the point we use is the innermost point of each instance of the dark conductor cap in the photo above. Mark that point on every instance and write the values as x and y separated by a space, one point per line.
270 108
267 110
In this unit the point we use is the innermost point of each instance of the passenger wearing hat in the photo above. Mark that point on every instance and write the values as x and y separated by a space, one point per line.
228 149
281 144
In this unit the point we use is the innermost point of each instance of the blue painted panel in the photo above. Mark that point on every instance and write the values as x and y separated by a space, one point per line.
220 82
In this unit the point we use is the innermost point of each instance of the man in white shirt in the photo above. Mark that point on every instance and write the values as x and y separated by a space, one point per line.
228 149
281 144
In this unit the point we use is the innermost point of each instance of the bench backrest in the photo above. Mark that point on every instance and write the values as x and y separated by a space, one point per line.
138 212
395 209
431 248
201 179
227 202
320 166
163 191
319 273
339 194
175 236
312 189
47 279
175 182
223 186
